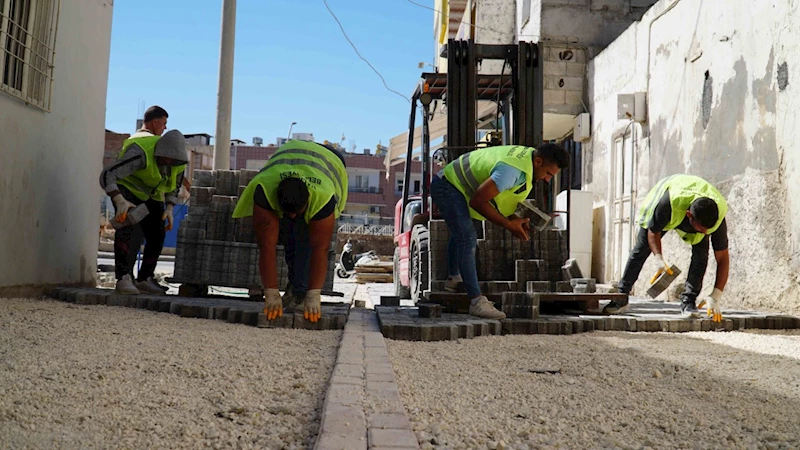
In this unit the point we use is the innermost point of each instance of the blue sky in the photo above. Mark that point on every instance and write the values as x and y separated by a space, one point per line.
292 63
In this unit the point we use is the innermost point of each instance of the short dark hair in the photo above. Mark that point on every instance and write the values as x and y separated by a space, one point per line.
553 153
154 112
705 211
292 195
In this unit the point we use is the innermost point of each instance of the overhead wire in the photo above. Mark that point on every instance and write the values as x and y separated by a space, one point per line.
341 27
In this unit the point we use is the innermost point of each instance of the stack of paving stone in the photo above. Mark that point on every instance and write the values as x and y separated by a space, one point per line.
505 263
214 248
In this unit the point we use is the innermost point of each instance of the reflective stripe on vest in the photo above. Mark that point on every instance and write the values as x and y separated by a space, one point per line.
149 182
683 190
322 170
471 169
329 170
467 178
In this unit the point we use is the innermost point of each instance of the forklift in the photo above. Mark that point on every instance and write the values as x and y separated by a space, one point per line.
518 96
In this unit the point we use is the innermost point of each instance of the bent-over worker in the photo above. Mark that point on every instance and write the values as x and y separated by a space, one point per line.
488 184
295 201
696 211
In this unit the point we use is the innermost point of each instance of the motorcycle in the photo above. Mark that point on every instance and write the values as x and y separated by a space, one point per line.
346 267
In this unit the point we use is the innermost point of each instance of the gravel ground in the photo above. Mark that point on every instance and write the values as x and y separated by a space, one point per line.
102 377
614 390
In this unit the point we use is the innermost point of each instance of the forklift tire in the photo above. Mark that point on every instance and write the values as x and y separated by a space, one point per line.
399 290
418 262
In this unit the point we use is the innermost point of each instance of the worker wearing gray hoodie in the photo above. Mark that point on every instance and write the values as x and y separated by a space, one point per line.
148 170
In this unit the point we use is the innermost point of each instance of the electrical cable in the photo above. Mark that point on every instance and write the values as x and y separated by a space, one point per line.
359 54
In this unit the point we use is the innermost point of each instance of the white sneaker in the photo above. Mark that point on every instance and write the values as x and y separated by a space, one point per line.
486 310
149 286
125 286
451 285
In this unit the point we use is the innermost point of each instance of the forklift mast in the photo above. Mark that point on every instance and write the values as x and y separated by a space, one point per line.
519 96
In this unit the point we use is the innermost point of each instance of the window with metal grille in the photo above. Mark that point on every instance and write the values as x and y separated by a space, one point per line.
27 49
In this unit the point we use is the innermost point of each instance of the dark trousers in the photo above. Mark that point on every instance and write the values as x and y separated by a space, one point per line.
128 240
694 279
294 236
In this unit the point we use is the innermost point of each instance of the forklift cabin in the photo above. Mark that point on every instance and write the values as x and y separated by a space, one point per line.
518 94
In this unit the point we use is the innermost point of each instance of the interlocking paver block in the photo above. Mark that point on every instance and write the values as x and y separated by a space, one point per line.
430 310
392 421
349 370
392 438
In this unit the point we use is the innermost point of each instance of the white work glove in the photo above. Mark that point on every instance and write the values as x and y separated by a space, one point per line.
662 267
311 304
713 303
168 216
273 307
122 206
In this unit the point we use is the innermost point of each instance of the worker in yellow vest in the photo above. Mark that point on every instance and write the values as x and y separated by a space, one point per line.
295 201
696 211
149 169
488 184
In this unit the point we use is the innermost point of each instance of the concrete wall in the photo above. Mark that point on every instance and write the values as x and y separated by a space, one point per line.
51 161
721 105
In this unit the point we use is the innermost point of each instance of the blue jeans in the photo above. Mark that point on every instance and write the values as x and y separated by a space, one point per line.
463 238
294 236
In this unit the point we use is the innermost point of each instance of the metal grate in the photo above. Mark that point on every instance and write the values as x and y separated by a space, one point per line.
27 49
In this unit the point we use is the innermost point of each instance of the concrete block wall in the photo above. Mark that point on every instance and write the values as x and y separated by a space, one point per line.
564 78
216 249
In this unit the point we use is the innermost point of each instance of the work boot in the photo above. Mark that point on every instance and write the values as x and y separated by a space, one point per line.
292 302
451 285
616 307
689 310
149 286
125 286
485 309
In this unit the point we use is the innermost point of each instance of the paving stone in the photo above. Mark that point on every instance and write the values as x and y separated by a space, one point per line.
465 330
430 310
82 298
234 315
438 332
120 300
600 323
385 401
390 300
349 370
331 441
338 379
285 321
407 332
392 438
380 377
379 369
392 421
221 312
164 305
481 328
189 310
345 395
381 385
